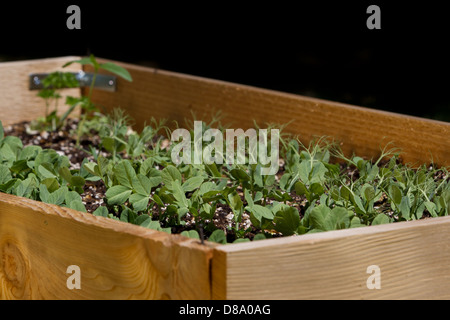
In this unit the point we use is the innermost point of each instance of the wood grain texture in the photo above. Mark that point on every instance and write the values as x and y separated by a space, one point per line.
17 102
413 258
117 260
364 131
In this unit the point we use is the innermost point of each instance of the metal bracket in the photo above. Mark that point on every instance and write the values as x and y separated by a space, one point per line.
103 82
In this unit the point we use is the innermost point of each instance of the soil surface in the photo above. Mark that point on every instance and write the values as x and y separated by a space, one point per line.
63 142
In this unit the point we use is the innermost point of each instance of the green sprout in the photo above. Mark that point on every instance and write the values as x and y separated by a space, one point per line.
85 102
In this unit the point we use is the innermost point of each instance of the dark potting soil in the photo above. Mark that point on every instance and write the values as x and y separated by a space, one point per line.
63 142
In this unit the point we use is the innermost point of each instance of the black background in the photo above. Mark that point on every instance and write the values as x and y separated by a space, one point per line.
321 49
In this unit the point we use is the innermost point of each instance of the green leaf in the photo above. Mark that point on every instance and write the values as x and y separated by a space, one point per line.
235 202
258 196
109 144
345 192
191 234
101 211
212 168
128 215
58 196
368 192
5 174
92 168
318 173
287 221
170 174
7 153
373 173
158 200
146 166
304 169
117 70
431 207
77 205
94 61
46 170
43 193
192 183
139 201
338 218
65 173
51 184
357 202
125 173
77 181
21 166
257 213
405 207
207 187
218 236
356 223
83 61
117 194
149 223
316 188
142 184
258 178
395 194
334 193
29 152
301 189
179 194
71 196
326 219
445 197
6 187
248 198
26 187
380 219
359 162
317 217
14 143
259 236
240 174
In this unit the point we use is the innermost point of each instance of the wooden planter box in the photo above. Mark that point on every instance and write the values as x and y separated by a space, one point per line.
117 260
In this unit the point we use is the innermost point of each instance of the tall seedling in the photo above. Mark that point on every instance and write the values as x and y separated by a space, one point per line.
85 102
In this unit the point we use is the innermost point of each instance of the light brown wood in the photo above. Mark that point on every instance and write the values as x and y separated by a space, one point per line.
117 260
17 102
364 131
413 260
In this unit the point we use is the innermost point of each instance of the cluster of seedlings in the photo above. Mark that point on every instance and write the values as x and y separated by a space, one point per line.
99 164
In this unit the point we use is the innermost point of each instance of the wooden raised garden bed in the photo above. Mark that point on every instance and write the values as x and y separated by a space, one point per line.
39 241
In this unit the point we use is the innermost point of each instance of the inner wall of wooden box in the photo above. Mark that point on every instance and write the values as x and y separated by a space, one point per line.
17 102
359 130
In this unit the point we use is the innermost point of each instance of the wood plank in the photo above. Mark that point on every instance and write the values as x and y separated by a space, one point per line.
173 96
413 258
117 260
17 102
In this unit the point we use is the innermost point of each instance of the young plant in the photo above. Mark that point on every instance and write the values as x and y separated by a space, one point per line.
85 102
114 134
52 84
